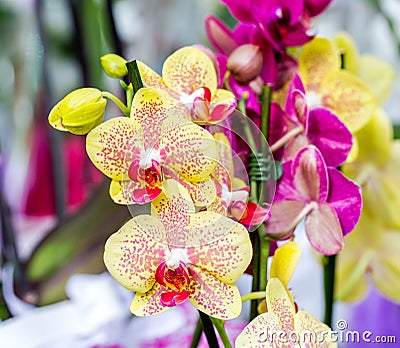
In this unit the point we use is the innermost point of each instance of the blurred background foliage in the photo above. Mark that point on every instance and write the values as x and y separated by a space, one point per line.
55 209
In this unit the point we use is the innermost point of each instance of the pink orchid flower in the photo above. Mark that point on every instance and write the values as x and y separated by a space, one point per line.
177 255
317 126
329 202
154 143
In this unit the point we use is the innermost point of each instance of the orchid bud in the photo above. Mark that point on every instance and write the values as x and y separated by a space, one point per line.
114 65
245 63
79 112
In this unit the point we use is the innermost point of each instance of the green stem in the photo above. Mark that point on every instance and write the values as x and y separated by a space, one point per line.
265 115
329 284
197 334
208 329
246 128
256 271
258 295
118 102
219 325
264 253
134 75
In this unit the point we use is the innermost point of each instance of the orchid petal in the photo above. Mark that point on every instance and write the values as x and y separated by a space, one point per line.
132 255
310 175
345 198
293 147
279 303
108 144
172 207
323 230
150 78
315 7
375 140
329 135
260 332
286 189
132 192
348 51
213 297
216 257
348 98
202 193
149 303
284 262
223 104
224 171
255 214
317 58
385 268
220 36
189 69
240 10
190 151
283 214
307 326
378 75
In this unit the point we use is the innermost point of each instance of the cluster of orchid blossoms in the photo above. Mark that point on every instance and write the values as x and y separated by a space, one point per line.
175 149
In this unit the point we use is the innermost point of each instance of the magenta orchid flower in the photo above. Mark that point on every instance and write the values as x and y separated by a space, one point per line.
282 22
329 202
189 78
177 255
153 144
316 7
318 127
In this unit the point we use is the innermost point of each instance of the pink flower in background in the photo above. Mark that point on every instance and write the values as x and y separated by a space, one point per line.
329 202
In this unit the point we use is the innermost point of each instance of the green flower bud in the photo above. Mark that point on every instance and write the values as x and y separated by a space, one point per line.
79 112
114 65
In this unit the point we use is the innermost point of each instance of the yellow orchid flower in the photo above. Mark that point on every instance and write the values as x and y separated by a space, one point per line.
177 255
231 192
79 112
370 254
375 73
329 86
282 326
153 144
376 170
189 78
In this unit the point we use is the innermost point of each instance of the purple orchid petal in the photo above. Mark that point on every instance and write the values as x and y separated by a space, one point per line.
287 67
296 104
264 9
286 189
330 135
221 68
240 9
310 175
277 127
243 32
293 147
252 102
345 198
220 36
297 35
324 231
315 7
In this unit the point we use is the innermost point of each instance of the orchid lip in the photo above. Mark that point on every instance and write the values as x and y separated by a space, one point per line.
203 93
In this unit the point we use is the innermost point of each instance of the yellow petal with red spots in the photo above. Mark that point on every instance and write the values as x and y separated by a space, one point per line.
347 97
223 249
224 171
285 261
147 304
190 151
318 57
189 69
132 192
132 255
261 332
213 297
222 105
312 332
108 144
202 193
279 303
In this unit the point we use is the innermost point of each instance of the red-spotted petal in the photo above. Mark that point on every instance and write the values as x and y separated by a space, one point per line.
132 255
109 144
228 254
255 214
189 69
214 297
149 303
